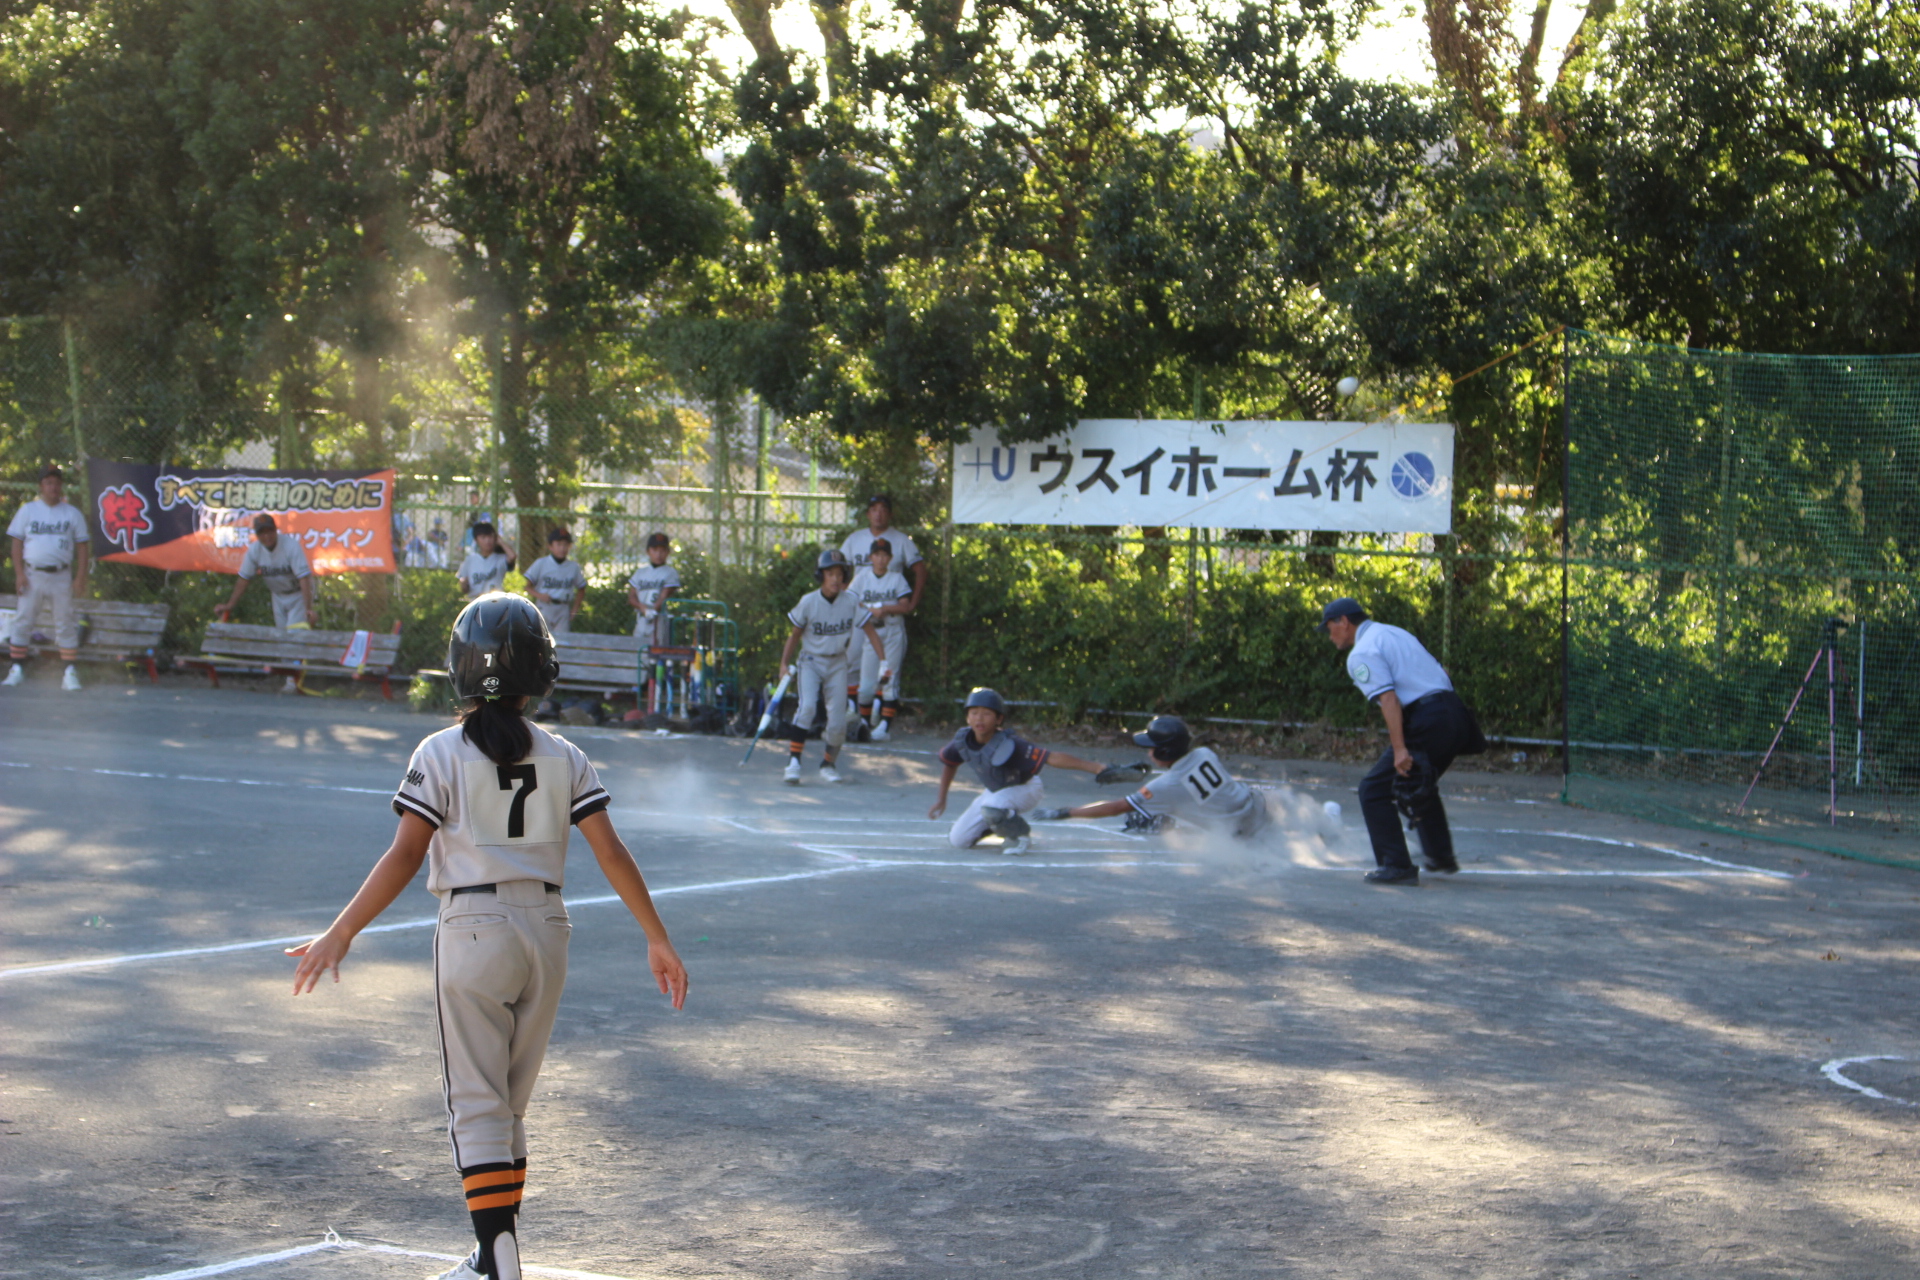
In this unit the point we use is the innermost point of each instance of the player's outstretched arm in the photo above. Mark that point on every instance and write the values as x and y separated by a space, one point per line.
394 872
946 780
1098 809
226 610
623 873
1066 761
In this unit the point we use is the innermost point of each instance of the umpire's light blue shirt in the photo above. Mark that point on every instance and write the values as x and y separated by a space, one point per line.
1385 657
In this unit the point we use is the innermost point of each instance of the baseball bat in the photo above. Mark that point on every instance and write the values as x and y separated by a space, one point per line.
766 717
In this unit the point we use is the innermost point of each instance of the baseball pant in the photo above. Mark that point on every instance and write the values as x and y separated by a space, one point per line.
972 824
1440 726
52 589
828 674
499 963
289 607
894 641
559 616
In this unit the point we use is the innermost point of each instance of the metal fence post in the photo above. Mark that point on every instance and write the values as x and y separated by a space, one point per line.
73 395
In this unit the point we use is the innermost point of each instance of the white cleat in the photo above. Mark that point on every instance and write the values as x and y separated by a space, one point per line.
70 681
1014 848
792 776
15 676
880 731
290 686
465 1270
829 774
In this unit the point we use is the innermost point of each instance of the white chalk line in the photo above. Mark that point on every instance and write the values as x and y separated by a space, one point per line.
1740 867
1518 871
200 777
1835 1072
854 863
335 1242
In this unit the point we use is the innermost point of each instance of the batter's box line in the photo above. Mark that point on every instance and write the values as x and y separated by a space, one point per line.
334 1242
852 852
1836 1072
1634 844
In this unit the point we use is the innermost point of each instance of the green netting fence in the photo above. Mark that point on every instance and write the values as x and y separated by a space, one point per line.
1744 529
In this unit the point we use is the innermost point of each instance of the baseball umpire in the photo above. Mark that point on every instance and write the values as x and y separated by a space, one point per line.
1428 726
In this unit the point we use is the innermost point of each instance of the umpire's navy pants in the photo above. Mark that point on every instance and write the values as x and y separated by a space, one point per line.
1440 727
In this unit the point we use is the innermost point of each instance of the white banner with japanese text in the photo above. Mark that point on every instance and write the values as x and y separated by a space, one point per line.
1352 477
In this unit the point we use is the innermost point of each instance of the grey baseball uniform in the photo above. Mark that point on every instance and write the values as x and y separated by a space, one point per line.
558 580
281 569
829 627
484 573
497 862
873 592
48 536
1198 789
648 581
858 549
1008 767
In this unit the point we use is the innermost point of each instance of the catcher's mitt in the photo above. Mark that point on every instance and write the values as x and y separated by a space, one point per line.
1147 824
1117 774
1416 789
1047 815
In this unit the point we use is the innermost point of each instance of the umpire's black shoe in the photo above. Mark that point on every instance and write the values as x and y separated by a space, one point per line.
1393 875
1445 866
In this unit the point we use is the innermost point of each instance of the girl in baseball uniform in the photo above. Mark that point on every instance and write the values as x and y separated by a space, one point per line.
488 805
823 624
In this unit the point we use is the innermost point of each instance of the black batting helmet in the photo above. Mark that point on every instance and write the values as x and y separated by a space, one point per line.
1167 737
829 560
985 697
501 648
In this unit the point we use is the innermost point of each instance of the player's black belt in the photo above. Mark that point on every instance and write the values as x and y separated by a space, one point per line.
48 568
493 888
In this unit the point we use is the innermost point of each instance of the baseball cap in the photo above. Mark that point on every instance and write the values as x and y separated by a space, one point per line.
879 545
561 534
1344 607
263 522
659 540
52 472
881 497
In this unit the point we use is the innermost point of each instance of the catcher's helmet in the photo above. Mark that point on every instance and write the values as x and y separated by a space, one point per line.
501 648
1167 737
985 697
829 560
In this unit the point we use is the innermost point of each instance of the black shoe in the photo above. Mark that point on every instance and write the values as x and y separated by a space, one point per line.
1393 875
1445 866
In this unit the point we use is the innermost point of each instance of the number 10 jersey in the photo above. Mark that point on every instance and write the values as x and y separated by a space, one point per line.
1198 789
498 822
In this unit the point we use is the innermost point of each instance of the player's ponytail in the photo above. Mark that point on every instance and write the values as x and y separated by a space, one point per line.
498 727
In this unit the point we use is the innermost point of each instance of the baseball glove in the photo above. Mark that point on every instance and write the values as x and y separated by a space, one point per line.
1118 774
1047 815
1416 789
1146 824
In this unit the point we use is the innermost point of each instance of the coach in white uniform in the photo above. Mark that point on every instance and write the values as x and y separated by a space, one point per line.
1427 724
281 563
49 544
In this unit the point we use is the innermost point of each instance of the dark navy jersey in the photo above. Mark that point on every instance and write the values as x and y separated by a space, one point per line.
1001 761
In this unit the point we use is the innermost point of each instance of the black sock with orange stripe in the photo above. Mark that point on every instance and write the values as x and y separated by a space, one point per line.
494 1192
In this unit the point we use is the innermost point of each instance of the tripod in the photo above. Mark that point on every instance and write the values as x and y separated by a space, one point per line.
1829 652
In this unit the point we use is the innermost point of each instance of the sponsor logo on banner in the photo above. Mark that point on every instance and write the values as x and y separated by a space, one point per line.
1344 476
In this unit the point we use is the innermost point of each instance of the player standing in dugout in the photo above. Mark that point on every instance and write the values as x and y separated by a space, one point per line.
649 589
557 584
488 804
485 567
49 540
1428 726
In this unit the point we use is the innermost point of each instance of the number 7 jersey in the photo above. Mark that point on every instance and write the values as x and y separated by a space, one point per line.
498 822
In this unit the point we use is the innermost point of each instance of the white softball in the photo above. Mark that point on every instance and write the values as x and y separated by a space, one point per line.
1332 808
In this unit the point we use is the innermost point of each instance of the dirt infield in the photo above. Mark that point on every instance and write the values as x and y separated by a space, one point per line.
1597 1052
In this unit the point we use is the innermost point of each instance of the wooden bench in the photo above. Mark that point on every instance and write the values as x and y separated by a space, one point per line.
236 646
597 663
113 630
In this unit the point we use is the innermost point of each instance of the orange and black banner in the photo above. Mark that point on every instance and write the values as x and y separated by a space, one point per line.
193 518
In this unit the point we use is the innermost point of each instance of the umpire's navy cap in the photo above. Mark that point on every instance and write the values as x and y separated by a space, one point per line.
1344 607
